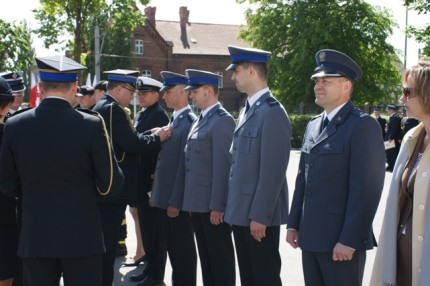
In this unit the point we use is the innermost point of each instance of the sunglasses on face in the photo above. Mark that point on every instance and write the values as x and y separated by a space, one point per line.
409 92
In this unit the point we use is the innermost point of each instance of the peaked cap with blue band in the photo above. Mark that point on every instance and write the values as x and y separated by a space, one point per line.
15 81
197 78
58 69
170 79
240 55
125 76
331 63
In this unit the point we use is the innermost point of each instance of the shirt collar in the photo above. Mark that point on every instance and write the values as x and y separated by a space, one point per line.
252 99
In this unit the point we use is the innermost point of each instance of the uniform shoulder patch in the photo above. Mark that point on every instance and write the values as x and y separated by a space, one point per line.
358 112
88 111
272 101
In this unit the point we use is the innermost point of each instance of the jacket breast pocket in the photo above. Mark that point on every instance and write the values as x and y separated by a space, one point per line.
248 137
331 148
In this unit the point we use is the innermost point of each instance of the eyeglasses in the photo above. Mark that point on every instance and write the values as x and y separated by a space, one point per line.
128 89
409 92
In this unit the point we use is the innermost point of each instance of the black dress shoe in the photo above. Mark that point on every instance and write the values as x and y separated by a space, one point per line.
148 281
135 263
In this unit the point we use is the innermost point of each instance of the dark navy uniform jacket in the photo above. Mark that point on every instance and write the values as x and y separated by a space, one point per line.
151 117
60 160
339 183
127 145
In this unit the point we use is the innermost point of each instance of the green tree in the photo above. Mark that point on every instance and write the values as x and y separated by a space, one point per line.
16 52
421 34
61 20
295 30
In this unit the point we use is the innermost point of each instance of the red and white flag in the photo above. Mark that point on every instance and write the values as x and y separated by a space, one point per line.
34 92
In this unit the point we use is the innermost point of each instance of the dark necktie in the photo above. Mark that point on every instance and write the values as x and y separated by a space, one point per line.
171 119
326 121
247 106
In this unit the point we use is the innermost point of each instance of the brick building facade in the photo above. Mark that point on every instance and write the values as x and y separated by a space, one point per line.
179 45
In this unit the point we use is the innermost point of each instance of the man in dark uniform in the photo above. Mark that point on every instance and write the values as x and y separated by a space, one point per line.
151 116
176 227
394 132
382 122
340 179
86 97
127 145
207 165
60 160
100 90
16 83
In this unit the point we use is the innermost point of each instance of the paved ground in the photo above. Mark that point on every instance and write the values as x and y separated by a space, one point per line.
291 272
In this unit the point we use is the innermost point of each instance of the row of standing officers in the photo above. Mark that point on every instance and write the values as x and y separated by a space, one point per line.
211 177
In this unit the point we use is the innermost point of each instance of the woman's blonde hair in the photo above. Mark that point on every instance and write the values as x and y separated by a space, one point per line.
419 75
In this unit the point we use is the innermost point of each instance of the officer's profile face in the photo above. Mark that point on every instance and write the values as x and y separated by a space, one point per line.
331 92
126 94
171 96
87 101
240 77
199 97
18 98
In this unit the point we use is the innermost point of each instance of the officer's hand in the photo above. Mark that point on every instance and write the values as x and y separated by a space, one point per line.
154 130
172 212
258 230
342 252
216 217
292 237
164 133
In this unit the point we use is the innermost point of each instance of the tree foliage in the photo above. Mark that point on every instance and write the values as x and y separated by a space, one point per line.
61 20
16 52
295 30
421 34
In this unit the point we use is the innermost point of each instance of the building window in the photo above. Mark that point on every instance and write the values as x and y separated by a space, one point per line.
138 47
147 73
221 81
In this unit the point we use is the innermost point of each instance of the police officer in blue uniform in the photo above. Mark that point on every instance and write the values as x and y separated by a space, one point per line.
127 145
258 193
207 164
176 227
60 161
340 179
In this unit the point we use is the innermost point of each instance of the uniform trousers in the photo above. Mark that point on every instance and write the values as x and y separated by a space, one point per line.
81 271
216 251
320 269
111 217
178 234
259 262
155 249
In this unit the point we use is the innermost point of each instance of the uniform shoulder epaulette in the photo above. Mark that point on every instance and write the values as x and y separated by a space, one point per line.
20 111
359 112
272 101
221 112
88 111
